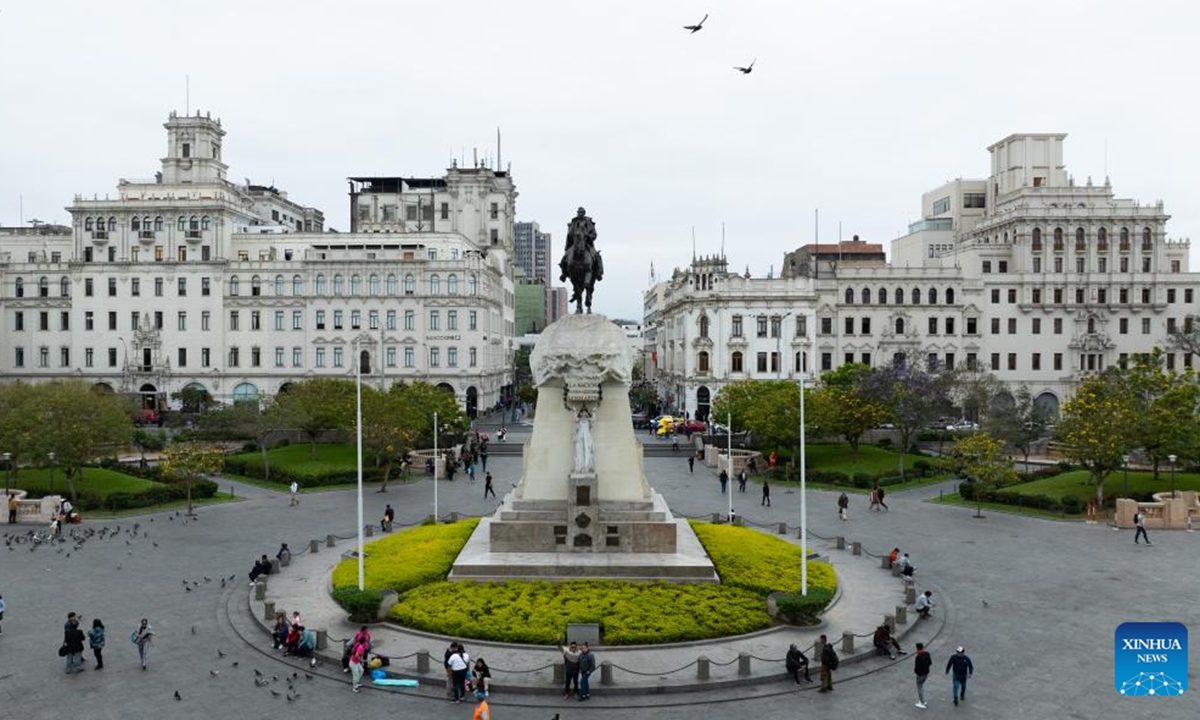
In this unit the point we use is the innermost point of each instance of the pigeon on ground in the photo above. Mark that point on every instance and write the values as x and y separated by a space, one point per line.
177 697
220 653
214 673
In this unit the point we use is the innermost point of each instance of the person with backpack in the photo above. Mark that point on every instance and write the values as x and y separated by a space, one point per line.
921 665
460 664
843 504
829 663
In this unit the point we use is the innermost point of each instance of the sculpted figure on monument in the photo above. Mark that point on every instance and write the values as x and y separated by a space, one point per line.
581 262
584 451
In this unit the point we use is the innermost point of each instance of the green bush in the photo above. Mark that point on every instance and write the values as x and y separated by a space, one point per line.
803 608
829 477
923 468
1071 505
758 562
363 605
409 558
884 443
888 481
863 480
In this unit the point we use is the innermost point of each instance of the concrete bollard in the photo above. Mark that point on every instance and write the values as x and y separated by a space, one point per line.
322 639
329 540
901 615
910 593
260 590
848 643
739 521
422 661
841 542
313 546
885 563
431 520
560 673
889 621
454 517
743 664
606 673
370 530
702 668
856 547
268 610
275 563
783 528
716 518
285 560
895 570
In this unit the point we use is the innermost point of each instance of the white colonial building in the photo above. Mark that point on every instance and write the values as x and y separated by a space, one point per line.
1026 273
189 279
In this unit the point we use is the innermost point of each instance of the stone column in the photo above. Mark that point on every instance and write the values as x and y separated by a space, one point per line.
702 668
848 643
743 664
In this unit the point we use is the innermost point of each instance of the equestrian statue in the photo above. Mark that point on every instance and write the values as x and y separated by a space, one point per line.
581 262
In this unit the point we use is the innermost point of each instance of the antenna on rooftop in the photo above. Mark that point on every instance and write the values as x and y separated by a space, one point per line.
722 240
693 243
187 95
499 157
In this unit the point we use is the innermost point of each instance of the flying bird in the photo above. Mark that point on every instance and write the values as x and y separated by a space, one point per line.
746 70
698 26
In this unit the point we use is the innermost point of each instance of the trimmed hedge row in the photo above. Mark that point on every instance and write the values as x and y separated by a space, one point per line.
407 559
252 467
1068 505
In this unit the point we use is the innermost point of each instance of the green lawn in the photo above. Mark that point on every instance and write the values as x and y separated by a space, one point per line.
100 481
871 460
220 497
956 499
1077 483
330 458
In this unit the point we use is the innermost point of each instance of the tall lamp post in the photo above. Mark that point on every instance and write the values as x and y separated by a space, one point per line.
435 468
358 447
1125 460
7 473
803 491
1172 458
51 456
729 464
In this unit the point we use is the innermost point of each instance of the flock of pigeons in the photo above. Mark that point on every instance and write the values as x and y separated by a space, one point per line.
745 70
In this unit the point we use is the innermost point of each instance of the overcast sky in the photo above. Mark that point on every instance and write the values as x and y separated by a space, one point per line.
854 107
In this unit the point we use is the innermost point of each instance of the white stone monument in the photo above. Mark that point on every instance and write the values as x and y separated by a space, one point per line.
583 507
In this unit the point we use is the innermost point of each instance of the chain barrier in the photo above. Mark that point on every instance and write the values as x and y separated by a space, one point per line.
723 664
495 669
654 674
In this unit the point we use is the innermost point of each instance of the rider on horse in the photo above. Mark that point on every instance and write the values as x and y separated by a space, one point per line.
581 262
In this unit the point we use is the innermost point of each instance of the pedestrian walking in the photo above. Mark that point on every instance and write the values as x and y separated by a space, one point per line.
874 499
483 456
921 665
587 666
460 665
829 663
766 499
96 642
880 495
843 503
1 613
691 463
143 637
674 442
72 647
482 711
389 517
963 669
742 481
294 490
471 471
1139 521
12 509
358 658
724 478
488 489
571 667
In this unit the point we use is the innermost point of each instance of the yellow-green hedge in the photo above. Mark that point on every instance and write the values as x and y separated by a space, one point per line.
415 563
759 562
406 559
538 612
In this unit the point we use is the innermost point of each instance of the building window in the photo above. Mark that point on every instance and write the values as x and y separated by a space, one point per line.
451 319
1037 264
950 326
1123 326
849 326
435 284
972 326
995 326
338 359
234 319
1146 295
1035 361
849 296
410 319
1145 326
472 320
987 266
761 326
434 320
1058 265
337 319
995 296
1012 326
1146 264
826 326
882 296
735 362
320 359
899 296
866 326
410 284
181 321
703 326
355 319
1037 326
933 326
737 326
899 326
1058 361
435 356
866 296
1058 326
373 319
297 357
916 296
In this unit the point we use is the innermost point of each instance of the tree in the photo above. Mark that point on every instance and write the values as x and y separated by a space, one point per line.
1186 337
843 409
425 400
1019 425
247 420
980 459
146 441
18 423
1165 405
912 393
184 462
768 409
643 397
194 399
974 389
1095 425
390 425
317 406
78 424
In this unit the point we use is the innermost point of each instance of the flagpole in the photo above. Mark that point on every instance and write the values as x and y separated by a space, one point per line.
358 439
803 496
435 468
729 465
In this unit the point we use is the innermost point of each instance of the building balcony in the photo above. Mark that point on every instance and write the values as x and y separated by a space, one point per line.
194 236
146 237
99 236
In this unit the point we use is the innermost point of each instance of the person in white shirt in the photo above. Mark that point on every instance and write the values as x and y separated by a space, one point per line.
294 489
459 663
924 604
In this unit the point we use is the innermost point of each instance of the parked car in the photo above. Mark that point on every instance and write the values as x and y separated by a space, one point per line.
145 416
695 426
640 421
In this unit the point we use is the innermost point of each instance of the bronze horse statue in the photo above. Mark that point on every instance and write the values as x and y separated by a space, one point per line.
581 263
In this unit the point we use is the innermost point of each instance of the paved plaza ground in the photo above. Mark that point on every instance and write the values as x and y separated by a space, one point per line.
1041 644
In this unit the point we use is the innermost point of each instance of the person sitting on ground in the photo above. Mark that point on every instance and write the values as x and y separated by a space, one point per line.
292 640
481 678
796 661
924 604
306 647
893 556
261 567
284 552
280 632
906 567
885 644
363 637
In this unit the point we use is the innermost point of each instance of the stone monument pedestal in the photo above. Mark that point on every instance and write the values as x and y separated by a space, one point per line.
583 507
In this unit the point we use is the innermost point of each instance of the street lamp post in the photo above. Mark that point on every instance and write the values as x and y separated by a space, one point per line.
1172 458
803 496
51 456
358 442
729 464
1125 460
7 473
